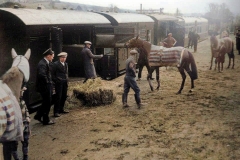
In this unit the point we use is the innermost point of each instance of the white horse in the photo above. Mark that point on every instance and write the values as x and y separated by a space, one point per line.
11 124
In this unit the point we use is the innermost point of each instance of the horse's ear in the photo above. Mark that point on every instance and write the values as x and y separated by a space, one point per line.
14 54
28 53
137 37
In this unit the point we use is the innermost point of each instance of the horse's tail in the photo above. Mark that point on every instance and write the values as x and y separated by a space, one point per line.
193 66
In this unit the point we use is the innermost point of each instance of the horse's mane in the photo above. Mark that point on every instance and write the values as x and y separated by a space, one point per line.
11 74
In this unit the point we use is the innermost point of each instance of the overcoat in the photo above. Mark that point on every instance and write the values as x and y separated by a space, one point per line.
89 68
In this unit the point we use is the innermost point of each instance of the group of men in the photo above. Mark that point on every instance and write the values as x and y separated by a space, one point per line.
52 83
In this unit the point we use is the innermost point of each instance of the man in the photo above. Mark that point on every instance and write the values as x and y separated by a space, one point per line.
169 41
130 82
195 39
60 78
238 41
190 35
89 69
44 86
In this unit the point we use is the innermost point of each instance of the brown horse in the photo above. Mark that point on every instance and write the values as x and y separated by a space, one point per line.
215 45
159 56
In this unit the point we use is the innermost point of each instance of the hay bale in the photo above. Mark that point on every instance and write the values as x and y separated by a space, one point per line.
94 92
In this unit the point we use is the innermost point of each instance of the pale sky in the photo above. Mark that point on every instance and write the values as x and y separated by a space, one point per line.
185 6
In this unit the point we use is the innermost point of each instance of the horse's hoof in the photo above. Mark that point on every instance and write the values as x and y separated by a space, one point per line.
157 88
190 91
178 93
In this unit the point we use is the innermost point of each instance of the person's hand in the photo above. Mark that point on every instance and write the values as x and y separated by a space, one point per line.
101 55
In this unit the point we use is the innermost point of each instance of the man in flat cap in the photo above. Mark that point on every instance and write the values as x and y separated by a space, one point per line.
169 41
44 86
130 82
60 78
89 69
238 41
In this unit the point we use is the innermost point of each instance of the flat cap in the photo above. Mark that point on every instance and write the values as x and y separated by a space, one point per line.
49 51
169 34
132 52
87 42
64 54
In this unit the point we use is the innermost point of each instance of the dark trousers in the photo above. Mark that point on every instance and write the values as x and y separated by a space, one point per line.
44 109
130 82
10 149
195 42
61 96
190 43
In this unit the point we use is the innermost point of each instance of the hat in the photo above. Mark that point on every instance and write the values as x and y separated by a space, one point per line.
48 52
169 34
64 54
132 52
88 42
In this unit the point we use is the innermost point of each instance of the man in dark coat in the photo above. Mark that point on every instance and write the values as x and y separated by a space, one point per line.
195 38
190 37
60 78
238 41
89 69
130 82
44 86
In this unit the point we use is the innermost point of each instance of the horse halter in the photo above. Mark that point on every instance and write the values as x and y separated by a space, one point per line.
22 63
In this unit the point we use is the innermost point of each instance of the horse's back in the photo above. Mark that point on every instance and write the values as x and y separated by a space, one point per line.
4 102
10 115
228 43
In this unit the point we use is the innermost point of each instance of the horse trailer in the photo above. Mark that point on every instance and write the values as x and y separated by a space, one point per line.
66 30
198 24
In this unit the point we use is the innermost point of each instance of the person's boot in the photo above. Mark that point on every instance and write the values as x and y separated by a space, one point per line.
138 101
25 157
124 100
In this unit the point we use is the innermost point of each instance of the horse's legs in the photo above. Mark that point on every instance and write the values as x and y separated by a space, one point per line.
229 62
233 62
157 78
215 68
149 77
211 63
140 71
181 70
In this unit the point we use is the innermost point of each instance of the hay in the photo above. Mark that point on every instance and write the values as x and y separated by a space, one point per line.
94 92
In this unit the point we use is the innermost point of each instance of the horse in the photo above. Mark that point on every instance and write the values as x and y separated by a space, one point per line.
159 56
11 123
215 44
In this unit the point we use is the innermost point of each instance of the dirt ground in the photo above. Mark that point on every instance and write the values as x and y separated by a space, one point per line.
204 124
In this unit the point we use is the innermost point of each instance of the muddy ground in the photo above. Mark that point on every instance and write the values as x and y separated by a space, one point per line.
204 124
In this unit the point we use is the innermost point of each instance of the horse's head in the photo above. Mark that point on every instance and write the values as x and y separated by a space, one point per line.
22 63
135 42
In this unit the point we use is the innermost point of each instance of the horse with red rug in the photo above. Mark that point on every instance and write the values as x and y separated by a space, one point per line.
159 56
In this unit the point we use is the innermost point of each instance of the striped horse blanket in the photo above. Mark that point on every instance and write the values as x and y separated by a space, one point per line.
161 56
11 124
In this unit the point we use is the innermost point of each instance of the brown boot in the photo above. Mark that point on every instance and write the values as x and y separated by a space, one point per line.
125 105
141 105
